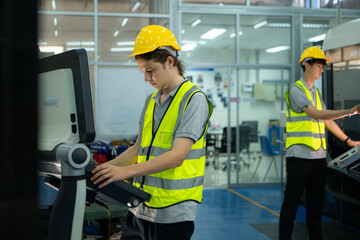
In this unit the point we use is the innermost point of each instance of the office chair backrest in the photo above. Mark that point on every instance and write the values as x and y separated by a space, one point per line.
266 146
274 135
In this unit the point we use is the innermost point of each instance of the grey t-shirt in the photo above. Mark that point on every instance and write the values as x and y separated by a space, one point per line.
192 125
298 100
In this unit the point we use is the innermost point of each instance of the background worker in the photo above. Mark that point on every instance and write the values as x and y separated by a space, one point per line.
306 164
170 148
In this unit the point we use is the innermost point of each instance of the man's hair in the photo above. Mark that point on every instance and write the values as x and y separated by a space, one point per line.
314 61
160 56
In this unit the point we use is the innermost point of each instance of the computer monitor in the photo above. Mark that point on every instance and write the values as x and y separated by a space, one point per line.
64 100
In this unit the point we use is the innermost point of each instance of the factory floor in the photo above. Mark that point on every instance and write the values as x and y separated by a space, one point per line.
252 213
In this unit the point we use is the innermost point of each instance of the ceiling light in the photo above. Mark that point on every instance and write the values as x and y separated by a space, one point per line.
54 49
55 21
125 43
213 33
136 6
314 26
279 25
88 49
188 47
53 3
196 22
277 49
87 43
121 49
233 34
56 33
260 24
182 31
116 33
317 38
80 44
124 22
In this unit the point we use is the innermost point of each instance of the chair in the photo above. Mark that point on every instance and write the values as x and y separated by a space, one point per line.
274 137
267 150
212 151
244 143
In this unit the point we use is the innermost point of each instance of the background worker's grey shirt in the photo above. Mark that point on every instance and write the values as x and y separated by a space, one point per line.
298 100
192 125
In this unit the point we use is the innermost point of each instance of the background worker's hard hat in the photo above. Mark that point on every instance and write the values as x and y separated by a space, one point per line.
152 37
312 53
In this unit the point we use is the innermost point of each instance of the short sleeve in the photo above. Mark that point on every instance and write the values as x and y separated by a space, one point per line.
194 119
298 99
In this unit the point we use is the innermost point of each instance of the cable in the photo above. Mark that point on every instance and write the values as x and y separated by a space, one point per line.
340 210
109 215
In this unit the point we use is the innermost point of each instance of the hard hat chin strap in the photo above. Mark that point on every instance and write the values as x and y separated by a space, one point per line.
171 50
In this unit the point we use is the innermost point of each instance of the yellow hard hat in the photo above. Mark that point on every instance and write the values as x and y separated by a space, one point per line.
313 53
152 37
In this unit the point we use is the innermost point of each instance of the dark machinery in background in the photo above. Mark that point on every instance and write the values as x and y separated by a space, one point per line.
341 91
66 124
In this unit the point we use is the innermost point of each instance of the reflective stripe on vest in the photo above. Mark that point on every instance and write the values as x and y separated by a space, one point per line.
300 127
179 184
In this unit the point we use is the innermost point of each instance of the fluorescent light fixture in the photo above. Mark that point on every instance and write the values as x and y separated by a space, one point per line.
260 24
56 33
53 4
136 6
125 43
317 38
87 43
124 22
196 22
73 43
54 49
240 33
192 42
121 49
213 33
314 26
55 21
279 25
277 49
88 49
182 31
188 47
116 33
80 44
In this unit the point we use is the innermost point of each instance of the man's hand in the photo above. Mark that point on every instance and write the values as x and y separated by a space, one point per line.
108 173
352 143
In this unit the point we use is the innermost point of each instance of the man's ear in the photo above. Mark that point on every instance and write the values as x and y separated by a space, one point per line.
171 61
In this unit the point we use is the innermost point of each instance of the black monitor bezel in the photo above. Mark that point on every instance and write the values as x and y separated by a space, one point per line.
77 61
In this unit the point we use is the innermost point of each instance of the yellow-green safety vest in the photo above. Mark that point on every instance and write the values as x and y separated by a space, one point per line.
300 127
178 184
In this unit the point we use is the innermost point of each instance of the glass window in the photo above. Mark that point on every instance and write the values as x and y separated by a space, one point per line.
224 2
315 29
58 33
347 4
256 105
116 39
285 3
208 38
66 5
144 6
265 39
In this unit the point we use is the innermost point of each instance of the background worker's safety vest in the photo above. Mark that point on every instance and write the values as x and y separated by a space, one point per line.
178 184
300 127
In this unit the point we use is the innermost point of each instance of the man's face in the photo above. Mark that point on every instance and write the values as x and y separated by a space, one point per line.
316 69
154 72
